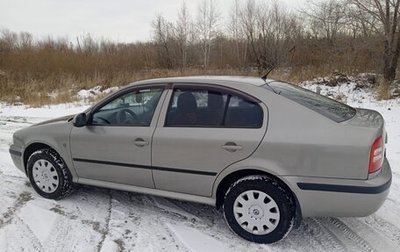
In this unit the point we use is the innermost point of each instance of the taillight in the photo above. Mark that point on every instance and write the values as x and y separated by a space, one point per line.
376 155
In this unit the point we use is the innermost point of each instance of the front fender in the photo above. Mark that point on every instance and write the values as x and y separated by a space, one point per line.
55 135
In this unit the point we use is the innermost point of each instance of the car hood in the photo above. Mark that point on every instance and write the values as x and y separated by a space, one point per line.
59 119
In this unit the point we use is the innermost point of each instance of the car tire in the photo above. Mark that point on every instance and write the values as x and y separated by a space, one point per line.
259 209
49 175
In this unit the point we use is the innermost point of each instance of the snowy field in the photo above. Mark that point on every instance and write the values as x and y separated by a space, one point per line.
95 219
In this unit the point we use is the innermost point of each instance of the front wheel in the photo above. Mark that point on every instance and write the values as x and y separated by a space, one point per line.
259 209
49 175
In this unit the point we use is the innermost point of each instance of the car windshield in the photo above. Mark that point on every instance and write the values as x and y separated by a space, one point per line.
325 106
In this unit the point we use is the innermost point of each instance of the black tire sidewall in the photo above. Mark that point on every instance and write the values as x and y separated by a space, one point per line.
282 198
52 158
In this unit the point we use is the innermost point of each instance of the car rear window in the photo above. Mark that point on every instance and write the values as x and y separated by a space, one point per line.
325 106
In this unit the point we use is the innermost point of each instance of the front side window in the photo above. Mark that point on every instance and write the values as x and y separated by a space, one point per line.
210 108
135 108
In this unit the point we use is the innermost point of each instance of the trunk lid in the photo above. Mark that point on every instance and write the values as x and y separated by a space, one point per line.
367 118
370 119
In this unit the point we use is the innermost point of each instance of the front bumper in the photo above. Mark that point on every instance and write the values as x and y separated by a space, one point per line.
16 156
341 197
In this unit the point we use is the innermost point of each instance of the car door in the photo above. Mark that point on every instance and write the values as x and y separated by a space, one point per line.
201 131
116 145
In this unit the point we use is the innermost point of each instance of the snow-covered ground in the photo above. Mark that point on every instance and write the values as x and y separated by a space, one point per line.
95 219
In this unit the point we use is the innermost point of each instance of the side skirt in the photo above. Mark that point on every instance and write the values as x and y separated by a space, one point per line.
152 191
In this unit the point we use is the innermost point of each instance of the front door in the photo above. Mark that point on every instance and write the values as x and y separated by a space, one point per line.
116 145
205 130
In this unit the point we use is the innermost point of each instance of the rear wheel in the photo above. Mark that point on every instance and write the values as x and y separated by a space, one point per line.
259 209
49 175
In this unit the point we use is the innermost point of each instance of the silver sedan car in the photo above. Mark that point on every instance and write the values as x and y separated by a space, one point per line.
266 152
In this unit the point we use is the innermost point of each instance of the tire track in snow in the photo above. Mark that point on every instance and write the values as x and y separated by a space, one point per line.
33 238
322 236
19 237
12 176
346 234
207 214
387 228
192 215
171 208
138 224
64 238
66 231
379 239
104 232
204 220
77 230
8 216
386 231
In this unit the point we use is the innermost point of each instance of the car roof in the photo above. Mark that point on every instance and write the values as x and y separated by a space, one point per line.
209 79
250 85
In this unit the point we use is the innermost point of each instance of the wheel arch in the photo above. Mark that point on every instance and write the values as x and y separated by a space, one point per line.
31 148
230 178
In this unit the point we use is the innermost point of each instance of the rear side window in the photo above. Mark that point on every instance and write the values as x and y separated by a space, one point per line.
210 108
325 106
243 114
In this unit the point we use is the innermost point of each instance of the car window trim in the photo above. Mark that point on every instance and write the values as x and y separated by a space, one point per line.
120 93
217 88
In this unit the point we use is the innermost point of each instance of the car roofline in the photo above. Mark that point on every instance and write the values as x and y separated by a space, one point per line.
207 79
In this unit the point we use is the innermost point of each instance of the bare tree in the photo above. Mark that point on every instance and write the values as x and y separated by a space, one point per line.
268 30
327 18
184 31
207 27
236 32
8 40
25 39
386 12
89 45
360 23
162 35
248 22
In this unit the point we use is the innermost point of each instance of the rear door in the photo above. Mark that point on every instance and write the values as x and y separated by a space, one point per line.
116 146
201 131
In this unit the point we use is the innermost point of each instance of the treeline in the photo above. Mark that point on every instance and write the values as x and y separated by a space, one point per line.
257 37
265 35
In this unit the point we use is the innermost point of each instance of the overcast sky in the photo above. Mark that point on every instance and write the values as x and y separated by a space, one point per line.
116 20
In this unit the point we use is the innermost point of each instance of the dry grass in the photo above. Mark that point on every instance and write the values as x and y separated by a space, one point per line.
52 71
383 90
45 91
301 74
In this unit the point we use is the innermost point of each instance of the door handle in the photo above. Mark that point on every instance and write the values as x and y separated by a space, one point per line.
140 142
232 147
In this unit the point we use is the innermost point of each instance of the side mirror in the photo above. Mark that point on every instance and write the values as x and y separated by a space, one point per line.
80 120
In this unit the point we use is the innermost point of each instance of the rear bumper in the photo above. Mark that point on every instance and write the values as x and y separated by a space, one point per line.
341 197
16 156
